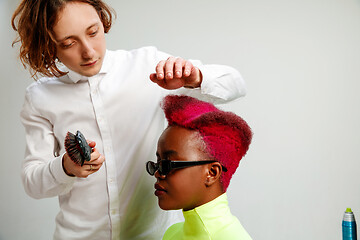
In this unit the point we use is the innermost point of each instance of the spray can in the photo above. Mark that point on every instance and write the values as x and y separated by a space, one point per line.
349 225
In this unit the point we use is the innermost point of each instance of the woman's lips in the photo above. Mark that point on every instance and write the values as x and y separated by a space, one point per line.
159 190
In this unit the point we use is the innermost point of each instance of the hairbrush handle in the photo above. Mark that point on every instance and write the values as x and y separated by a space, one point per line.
77 148
85 148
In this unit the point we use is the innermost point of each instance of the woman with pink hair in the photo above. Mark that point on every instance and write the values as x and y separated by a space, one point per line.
197 154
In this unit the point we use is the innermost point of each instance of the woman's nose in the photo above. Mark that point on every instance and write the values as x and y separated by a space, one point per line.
158 175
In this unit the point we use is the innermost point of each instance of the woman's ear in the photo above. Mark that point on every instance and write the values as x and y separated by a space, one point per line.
214 171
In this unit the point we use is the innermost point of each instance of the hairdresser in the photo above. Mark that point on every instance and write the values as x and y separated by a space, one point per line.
107 95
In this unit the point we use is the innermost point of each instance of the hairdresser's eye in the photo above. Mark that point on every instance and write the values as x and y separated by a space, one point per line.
67 44
93 33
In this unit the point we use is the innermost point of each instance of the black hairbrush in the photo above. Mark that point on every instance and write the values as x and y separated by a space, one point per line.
77 148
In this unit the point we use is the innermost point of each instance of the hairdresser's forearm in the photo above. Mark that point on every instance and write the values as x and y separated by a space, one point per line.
223 82
42 172
45 179
220 84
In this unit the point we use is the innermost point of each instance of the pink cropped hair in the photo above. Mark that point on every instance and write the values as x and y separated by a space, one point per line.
227 136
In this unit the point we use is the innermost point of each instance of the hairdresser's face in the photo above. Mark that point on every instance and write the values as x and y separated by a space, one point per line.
182 188
80 38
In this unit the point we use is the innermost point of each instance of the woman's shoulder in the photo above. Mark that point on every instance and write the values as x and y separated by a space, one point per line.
233 231
174 231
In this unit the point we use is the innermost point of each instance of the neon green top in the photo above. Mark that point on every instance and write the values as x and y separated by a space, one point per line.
212 221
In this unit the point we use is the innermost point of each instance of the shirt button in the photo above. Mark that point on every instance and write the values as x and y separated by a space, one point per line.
113 212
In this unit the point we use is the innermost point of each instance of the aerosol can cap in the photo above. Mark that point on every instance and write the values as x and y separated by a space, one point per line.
349 215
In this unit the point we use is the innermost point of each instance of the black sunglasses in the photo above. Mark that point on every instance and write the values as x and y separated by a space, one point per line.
165 166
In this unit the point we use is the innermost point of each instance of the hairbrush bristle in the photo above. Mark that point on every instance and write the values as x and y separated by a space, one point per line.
77 148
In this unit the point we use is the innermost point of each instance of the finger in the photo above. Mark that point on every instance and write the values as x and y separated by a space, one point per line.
89 168
160 70
92 167
84 171
92 144
169 68
178 68
188 68
98 161
94 155
160 82
153 77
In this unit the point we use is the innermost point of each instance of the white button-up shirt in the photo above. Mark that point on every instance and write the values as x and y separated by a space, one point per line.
118 109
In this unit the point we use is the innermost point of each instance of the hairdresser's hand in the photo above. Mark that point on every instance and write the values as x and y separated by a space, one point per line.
89 167
175 73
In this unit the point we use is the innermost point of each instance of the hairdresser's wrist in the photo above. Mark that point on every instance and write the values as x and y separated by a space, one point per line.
194 82
65 157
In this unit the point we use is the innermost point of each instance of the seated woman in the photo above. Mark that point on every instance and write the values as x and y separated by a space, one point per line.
197 154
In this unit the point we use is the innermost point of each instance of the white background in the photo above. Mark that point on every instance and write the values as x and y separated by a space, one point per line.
301 63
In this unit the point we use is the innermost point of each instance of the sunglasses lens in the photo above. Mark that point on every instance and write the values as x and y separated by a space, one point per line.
151 168
164 167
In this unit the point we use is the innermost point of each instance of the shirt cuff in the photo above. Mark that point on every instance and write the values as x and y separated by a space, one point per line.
57 170
208 85
222 82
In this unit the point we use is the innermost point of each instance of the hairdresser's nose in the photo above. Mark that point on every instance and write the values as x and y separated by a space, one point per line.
88 51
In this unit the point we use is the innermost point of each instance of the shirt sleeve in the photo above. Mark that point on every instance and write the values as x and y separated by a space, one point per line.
220 83
42 172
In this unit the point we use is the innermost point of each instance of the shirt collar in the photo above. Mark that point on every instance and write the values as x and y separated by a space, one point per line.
207 218
76 77
209 207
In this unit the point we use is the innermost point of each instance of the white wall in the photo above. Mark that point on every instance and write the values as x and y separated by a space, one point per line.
301 62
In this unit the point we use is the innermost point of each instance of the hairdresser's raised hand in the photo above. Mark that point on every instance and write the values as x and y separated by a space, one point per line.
89 167
175 73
